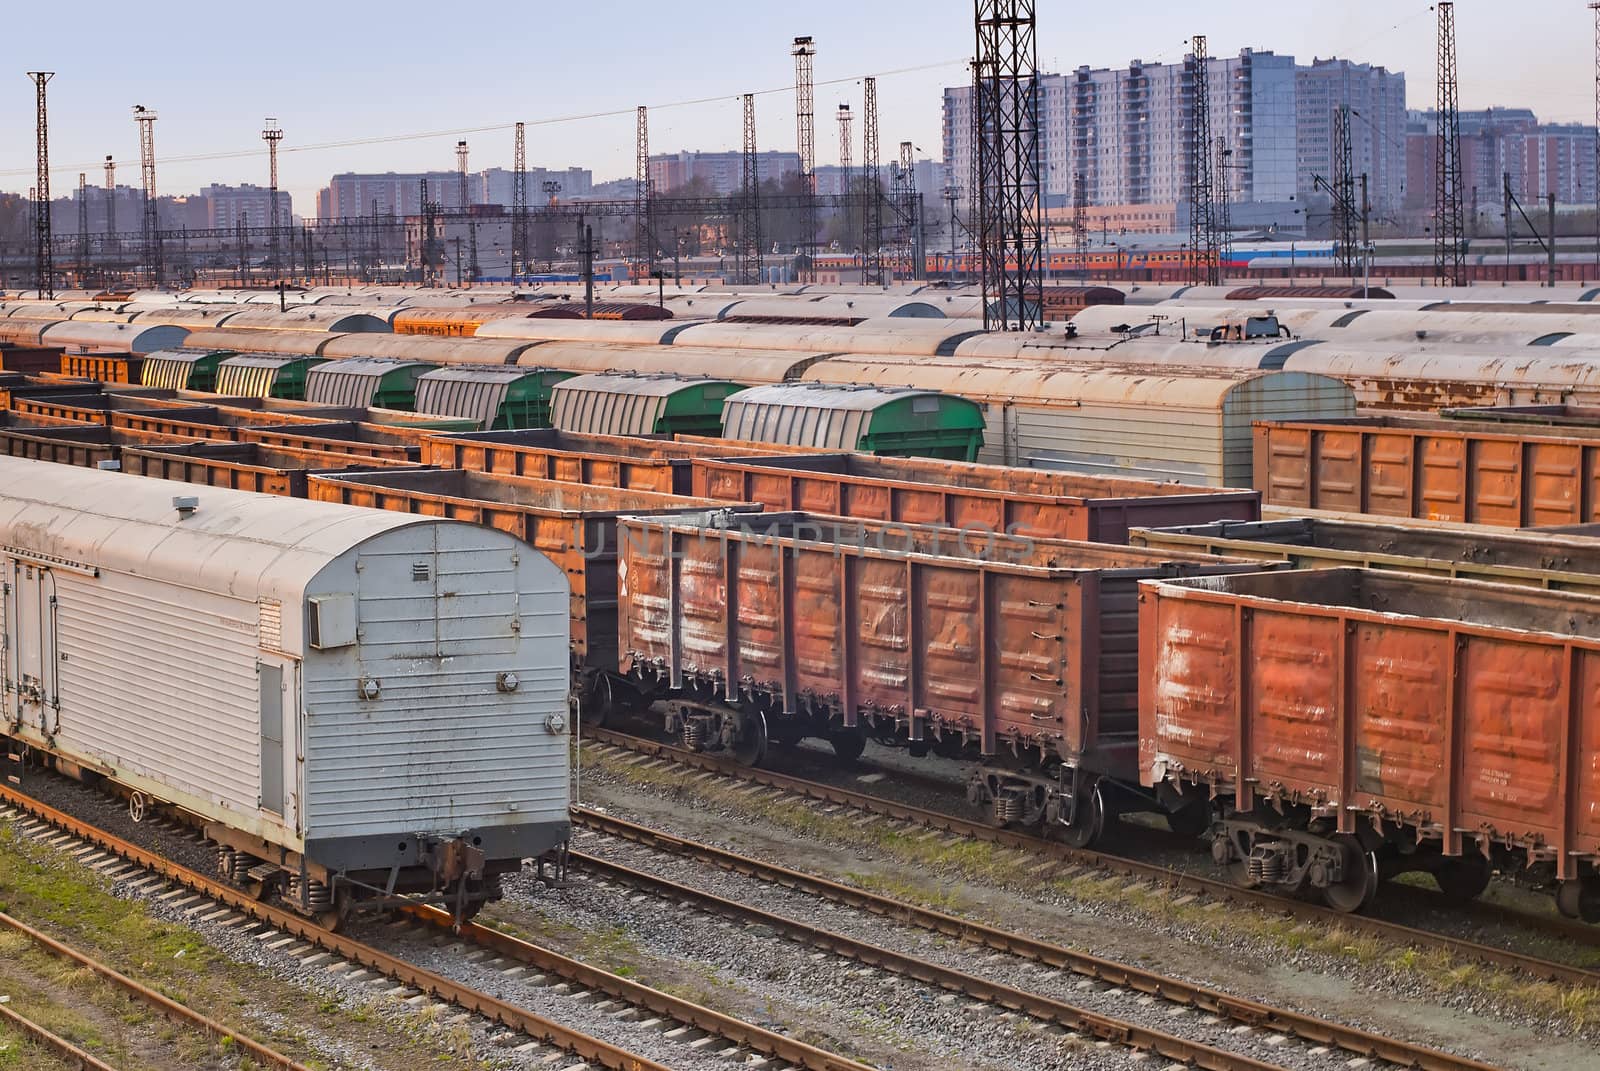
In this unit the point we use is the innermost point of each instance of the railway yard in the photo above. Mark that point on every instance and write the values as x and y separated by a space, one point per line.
800 678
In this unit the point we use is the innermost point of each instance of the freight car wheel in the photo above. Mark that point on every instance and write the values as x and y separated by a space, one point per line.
1464 879
848 744
1088 821
751 747
1360 884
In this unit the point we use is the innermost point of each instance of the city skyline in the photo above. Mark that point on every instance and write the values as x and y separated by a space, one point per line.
374 89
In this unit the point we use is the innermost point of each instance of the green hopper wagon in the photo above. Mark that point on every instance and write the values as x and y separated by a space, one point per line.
374 382
500 399
888 421
265 375
623 403
183 369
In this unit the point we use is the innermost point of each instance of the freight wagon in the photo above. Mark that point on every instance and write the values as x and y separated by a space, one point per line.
183 369
888 421
575 524
627 404
637 463
1354 725
1471 552
1444 470
1025 502
1018 652
215 652
262 375
242 466
365 381
497 399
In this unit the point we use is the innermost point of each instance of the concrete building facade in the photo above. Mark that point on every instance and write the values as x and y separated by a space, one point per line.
722 172
1128 131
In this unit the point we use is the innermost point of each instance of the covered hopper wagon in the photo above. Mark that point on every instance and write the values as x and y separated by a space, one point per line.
888 421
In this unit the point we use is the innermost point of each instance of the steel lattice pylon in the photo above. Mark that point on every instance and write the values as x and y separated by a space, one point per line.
1204 251
872 186
44 264
1449 232
519 205
1006 119
805 120
749 248
1080 222
1595 7
644 251
111 204
907 204
1344 192
83 227
150 230
846 168
272 135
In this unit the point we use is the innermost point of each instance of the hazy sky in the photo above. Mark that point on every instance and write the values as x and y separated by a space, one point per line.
342 71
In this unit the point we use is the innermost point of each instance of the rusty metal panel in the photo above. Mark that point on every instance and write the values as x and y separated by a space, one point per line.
1462 710
817 623
1047 505
196 422
637 463
342 437
240 466
1502 475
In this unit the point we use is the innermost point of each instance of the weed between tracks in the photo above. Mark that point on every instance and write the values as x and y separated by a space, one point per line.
992 864
68 900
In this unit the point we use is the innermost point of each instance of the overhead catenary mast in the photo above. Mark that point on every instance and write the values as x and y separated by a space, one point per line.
1449 248
846 125
805 118
1204 251
150 229
644 253
519 205
271 134
1006 126
44 267
749 249
872 184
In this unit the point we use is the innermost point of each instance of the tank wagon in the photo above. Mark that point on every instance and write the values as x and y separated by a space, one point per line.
888 421
1019 653
1354 725
215 653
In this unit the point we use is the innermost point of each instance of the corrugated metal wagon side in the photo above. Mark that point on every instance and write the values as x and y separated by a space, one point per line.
1027 502
1380 724
1018 654
575 525
1441 470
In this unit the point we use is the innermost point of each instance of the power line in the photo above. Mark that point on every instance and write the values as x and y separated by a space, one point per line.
385 139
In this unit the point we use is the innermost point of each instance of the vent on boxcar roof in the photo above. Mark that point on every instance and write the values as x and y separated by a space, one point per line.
420 571
269 624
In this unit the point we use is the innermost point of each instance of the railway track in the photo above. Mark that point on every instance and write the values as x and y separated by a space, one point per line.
70 1054
1184 883
680 1021
1307 1028
262 1054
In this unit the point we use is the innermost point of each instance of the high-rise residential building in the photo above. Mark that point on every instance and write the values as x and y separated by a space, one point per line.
1498 144
1128 130
392 192
720 173
225 206
572 183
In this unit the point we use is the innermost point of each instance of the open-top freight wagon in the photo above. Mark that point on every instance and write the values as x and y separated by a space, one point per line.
1026 502
1353 725
1016 652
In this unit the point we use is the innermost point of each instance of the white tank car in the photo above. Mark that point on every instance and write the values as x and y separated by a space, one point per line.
357 704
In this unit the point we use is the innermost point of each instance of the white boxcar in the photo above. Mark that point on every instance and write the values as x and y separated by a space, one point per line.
358 703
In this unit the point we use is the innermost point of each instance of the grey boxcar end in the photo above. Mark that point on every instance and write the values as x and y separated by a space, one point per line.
357 704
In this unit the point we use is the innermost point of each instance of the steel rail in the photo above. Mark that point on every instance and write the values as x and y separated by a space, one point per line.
506 1014
1071 1016
1241 1010
52 1041
167 1006
736 1030
1114 864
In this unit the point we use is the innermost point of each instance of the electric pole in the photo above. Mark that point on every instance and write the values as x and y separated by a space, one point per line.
44 267
872 184
804 52
272 135
1202 192
151 227
519 206
1006 115
748 262
644 252
1449 253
